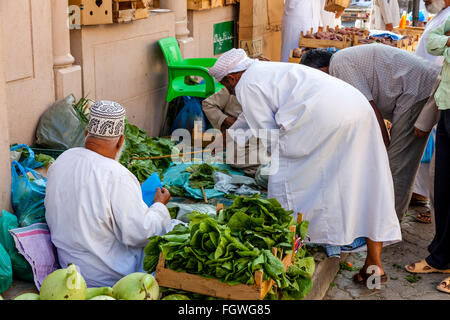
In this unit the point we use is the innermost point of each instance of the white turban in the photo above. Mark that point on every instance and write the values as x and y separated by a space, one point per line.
231 61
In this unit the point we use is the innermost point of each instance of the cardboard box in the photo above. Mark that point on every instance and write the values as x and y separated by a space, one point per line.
272 30
260 27
252 19
336 5
94 12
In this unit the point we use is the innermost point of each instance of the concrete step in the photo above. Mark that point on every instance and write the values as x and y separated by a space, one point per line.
326 270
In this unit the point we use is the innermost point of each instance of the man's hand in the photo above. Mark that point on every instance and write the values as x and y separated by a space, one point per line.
419 133
262 58
448 40
339 14
162 195
228 122
389 27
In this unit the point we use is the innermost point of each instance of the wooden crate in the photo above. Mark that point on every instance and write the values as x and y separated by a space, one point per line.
124 10
336 5
410 31
215 288
401 44
198 4
217 3
292 59
323 43
143 9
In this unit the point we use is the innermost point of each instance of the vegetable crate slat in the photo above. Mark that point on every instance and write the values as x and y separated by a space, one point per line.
215 288
308 42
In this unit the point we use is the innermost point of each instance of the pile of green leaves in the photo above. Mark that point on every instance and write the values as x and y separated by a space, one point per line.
138 145
263 223
236 244
46 160
201 175
82 110
207 248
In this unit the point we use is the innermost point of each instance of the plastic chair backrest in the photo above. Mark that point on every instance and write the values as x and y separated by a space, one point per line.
171 50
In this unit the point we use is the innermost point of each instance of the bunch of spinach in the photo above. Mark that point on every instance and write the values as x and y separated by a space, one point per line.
207 248
138 145
201 175
264 223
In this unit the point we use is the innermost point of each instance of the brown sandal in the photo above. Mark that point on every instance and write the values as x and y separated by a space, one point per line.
444 286
423 267
424 217
362 276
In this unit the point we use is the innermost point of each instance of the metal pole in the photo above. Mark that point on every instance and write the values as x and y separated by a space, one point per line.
415 15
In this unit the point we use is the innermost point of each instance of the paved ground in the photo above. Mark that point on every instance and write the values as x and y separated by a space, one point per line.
416 237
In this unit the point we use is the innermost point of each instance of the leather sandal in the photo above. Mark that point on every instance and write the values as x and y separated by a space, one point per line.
424 267
444 286
362 276
424 217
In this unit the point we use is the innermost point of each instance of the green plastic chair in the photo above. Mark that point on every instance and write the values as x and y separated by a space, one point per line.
180 68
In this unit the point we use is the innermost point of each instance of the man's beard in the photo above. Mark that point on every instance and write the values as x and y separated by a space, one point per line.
119 153
436 6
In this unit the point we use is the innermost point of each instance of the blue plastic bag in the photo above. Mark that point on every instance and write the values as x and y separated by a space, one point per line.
6 276
27 195
191 112
149 188
30 161
429 150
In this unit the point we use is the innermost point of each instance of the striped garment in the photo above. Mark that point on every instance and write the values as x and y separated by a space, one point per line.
34 243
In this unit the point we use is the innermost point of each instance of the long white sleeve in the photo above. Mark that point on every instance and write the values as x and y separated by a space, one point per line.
134 221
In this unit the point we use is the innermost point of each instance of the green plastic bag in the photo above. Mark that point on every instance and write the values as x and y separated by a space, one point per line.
21 268
5 270
60 127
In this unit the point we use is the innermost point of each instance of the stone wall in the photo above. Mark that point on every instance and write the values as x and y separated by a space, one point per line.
123 63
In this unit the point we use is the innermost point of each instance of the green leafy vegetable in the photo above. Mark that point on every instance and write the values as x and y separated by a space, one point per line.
138 145
82 109
202 175
235 245
44 159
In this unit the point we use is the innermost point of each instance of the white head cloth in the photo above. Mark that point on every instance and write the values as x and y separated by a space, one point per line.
107 119
234 60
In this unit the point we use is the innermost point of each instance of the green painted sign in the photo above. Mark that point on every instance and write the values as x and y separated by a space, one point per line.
223 37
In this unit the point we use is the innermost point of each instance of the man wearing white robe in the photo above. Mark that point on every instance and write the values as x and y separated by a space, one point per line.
94 207
333 165
442 10
329 19
385 15
298 16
